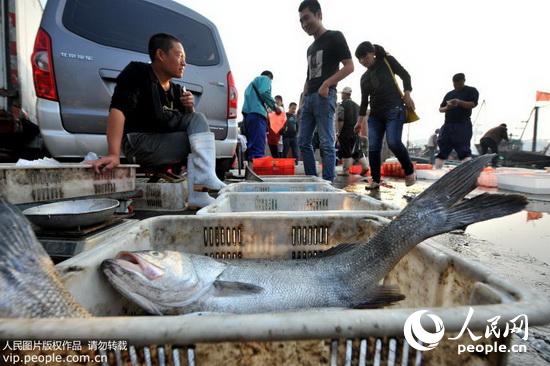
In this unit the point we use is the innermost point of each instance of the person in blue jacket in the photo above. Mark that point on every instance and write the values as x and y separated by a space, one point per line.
258 102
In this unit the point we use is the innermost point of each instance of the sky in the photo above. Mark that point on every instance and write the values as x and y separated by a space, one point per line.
501 47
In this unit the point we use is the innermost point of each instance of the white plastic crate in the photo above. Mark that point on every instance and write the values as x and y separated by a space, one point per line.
36 184
307 203
534 181
160 196
292 178
430 277
280 187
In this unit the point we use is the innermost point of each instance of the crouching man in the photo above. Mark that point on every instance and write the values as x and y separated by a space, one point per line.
154 121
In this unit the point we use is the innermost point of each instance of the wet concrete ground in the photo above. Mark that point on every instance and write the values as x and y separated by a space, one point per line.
516 247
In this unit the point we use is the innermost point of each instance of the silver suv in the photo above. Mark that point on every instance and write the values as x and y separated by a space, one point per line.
82 46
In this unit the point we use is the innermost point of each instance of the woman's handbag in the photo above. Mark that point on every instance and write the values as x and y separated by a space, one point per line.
410 114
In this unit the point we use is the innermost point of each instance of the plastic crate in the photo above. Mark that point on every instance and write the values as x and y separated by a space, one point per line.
37 184
430 277
292 178
160 196
308 203
273 166
280 187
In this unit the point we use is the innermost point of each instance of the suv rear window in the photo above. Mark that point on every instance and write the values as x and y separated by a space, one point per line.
128 24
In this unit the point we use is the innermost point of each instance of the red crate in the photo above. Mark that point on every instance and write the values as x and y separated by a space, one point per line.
271 166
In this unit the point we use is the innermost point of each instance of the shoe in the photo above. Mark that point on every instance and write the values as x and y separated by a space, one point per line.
364 166
203 149
372 185
410 179
345 167
438 163
195 200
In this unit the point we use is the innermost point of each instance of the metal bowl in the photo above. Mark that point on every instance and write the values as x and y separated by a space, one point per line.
70 214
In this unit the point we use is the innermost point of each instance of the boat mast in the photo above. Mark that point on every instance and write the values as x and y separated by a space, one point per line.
534 147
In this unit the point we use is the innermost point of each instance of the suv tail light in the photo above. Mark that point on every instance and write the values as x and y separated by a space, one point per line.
42 67
231 97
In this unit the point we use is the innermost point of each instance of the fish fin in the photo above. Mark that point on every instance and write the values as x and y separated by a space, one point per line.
339 249
250 175
231 288
483 207
383 295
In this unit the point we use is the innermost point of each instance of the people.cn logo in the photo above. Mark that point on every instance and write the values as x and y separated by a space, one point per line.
418 337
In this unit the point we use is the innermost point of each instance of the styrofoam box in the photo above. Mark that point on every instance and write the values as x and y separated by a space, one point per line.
36 184
160 196
535 182
280 187
430 276
434 174
290 202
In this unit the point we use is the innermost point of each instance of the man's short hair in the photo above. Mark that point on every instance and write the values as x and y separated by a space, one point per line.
163 41
292 104
278 97
312 5
503 125
268 73
459 77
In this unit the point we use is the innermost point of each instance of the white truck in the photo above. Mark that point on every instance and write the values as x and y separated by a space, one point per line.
19 133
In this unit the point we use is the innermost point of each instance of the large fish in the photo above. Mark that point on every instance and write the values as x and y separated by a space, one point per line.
171 282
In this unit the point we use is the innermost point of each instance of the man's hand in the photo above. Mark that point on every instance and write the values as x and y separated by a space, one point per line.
105 163
453 103
323 90
188 101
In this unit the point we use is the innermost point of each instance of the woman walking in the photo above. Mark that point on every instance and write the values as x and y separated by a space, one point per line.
387 108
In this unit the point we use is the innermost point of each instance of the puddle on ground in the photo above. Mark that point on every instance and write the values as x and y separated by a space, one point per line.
527 232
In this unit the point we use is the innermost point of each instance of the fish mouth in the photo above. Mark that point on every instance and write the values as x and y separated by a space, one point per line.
131 262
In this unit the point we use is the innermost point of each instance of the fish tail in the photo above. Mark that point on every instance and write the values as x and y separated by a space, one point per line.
445 206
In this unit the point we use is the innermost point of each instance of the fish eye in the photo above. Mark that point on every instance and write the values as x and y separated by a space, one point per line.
155 253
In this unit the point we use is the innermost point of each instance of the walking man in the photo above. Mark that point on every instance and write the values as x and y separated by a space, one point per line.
350 146
324 56
290 131
456 132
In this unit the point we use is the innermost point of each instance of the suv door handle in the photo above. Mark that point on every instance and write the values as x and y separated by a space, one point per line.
109 74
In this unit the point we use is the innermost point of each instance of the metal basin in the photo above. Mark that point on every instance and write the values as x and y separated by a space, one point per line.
70 214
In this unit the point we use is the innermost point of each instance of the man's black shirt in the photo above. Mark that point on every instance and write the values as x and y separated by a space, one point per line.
458 114
350 114
324 57
143 101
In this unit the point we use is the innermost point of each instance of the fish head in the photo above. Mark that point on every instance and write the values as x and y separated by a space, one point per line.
155 280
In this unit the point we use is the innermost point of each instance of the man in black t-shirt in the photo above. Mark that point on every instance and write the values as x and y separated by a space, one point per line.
456 132
348 139
324 56
154 121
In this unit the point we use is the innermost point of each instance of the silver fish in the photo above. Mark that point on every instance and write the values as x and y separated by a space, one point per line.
345 276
